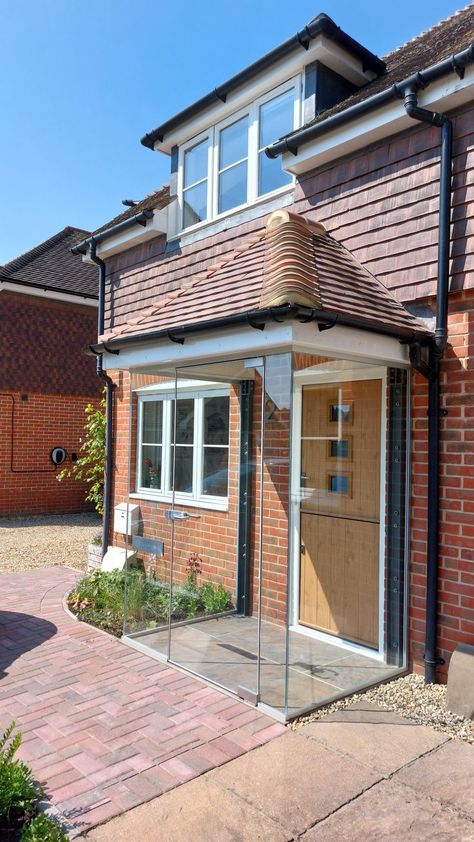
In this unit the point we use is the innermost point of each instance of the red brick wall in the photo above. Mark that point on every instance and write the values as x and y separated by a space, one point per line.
29 429
42 358
456 579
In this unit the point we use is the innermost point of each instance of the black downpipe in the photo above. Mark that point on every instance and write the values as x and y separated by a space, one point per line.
109 387
436 352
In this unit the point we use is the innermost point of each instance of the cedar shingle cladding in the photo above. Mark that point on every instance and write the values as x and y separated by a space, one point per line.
290 261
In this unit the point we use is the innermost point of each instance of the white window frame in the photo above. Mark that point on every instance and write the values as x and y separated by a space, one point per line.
166 394
212 134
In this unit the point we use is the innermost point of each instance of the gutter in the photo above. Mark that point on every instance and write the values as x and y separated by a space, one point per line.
45 288
321 25
140 218
258 319
456 63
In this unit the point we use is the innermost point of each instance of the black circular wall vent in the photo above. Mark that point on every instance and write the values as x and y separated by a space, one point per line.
58 455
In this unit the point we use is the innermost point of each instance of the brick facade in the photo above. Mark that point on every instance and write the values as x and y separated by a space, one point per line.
46 381
382 204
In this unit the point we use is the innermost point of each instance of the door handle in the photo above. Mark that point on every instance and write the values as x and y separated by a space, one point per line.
304 477
177 514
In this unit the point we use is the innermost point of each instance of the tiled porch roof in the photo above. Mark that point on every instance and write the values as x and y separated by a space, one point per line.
291 261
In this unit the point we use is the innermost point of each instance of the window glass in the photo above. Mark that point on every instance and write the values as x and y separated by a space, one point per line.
276 118
184 421
183 478
195 204
215 471
233 187
233 154
151 466
152 422
233 145
216 420
195 163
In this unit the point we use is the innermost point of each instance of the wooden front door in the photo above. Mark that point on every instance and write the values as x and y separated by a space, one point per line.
340 509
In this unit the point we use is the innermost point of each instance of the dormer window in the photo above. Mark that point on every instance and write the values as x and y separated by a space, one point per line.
225 168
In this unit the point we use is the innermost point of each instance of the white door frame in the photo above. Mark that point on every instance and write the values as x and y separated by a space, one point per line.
305 378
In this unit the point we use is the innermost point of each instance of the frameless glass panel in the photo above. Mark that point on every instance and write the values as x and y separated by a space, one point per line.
195 163
275 511
214 630
233 143
233 187
146 539
195 204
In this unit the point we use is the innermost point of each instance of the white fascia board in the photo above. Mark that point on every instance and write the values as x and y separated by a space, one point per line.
240 343
155 227
444 95
321 49
37 292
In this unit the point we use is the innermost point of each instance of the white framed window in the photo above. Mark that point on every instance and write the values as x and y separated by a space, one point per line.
192 448
238 171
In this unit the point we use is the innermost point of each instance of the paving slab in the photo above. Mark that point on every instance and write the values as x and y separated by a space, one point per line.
105 727
295 781
446 774
390 812
200 810
380 739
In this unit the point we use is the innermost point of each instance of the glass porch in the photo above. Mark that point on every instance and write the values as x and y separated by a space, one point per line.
270 553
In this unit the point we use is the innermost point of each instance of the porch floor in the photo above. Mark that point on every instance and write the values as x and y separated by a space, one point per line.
224 651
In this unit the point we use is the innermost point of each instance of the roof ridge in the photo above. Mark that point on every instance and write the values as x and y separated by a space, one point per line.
426 31
190 284
28 256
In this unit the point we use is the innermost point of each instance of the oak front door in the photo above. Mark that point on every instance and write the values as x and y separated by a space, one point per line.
340 510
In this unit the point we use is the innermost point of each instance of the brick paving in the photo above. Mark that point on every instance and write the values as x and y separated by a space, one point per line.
106 728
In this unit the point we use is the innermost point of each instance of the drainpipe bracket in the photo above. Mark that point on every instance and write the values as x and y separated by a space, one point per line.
434 662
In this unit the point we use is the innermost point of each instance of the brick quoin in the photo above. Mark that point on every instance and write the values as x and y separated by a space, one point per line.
46 381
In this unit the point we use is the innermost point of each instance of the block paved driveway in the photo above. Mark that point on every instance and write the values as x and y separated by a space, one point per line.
106 728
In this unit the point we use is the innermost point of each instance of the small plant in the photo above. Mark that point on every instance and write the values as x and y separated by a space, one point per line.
18 790
91 464
42 829
216 599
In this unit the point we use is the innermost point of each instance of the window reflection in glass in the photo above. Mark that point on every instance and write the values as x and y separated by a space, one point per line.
195 184
276 118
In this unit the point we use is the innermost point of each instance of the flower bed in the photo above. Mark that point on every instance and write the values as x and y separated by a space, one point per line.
100 599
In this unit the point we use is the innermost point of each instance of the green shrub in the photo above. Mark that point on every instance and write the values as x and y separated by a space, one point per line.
42 829
18 790
100 598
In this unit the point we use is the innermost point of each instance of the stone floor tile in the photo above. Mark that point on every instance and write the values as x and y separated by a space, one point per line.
390 812
198 811
295 781
378 738
446 774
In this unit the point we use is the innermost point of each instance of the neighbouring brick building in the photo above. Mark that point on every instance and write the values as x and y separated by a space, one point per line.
48 316
288 404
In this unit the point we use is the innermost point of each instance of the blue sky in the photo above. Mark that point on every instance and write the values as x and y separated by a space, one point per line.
81 82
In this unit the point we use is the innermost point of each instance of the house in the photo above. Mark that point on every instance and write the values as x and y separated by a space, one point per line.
48 314
288 327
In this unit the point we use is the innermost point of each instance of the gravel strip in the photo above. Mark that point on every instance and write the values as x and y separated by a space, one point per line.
409 696
46 541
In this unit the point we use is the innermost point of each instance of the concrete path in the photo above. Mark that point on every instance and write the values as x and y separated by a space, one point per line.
361 775
106 728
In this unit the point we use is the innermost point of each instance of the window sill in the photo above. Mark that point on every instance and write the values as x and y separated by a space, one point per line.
266 204
212 505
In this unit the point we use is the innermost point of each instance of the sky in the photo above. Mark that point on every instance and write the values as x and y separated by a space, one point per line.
82 80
